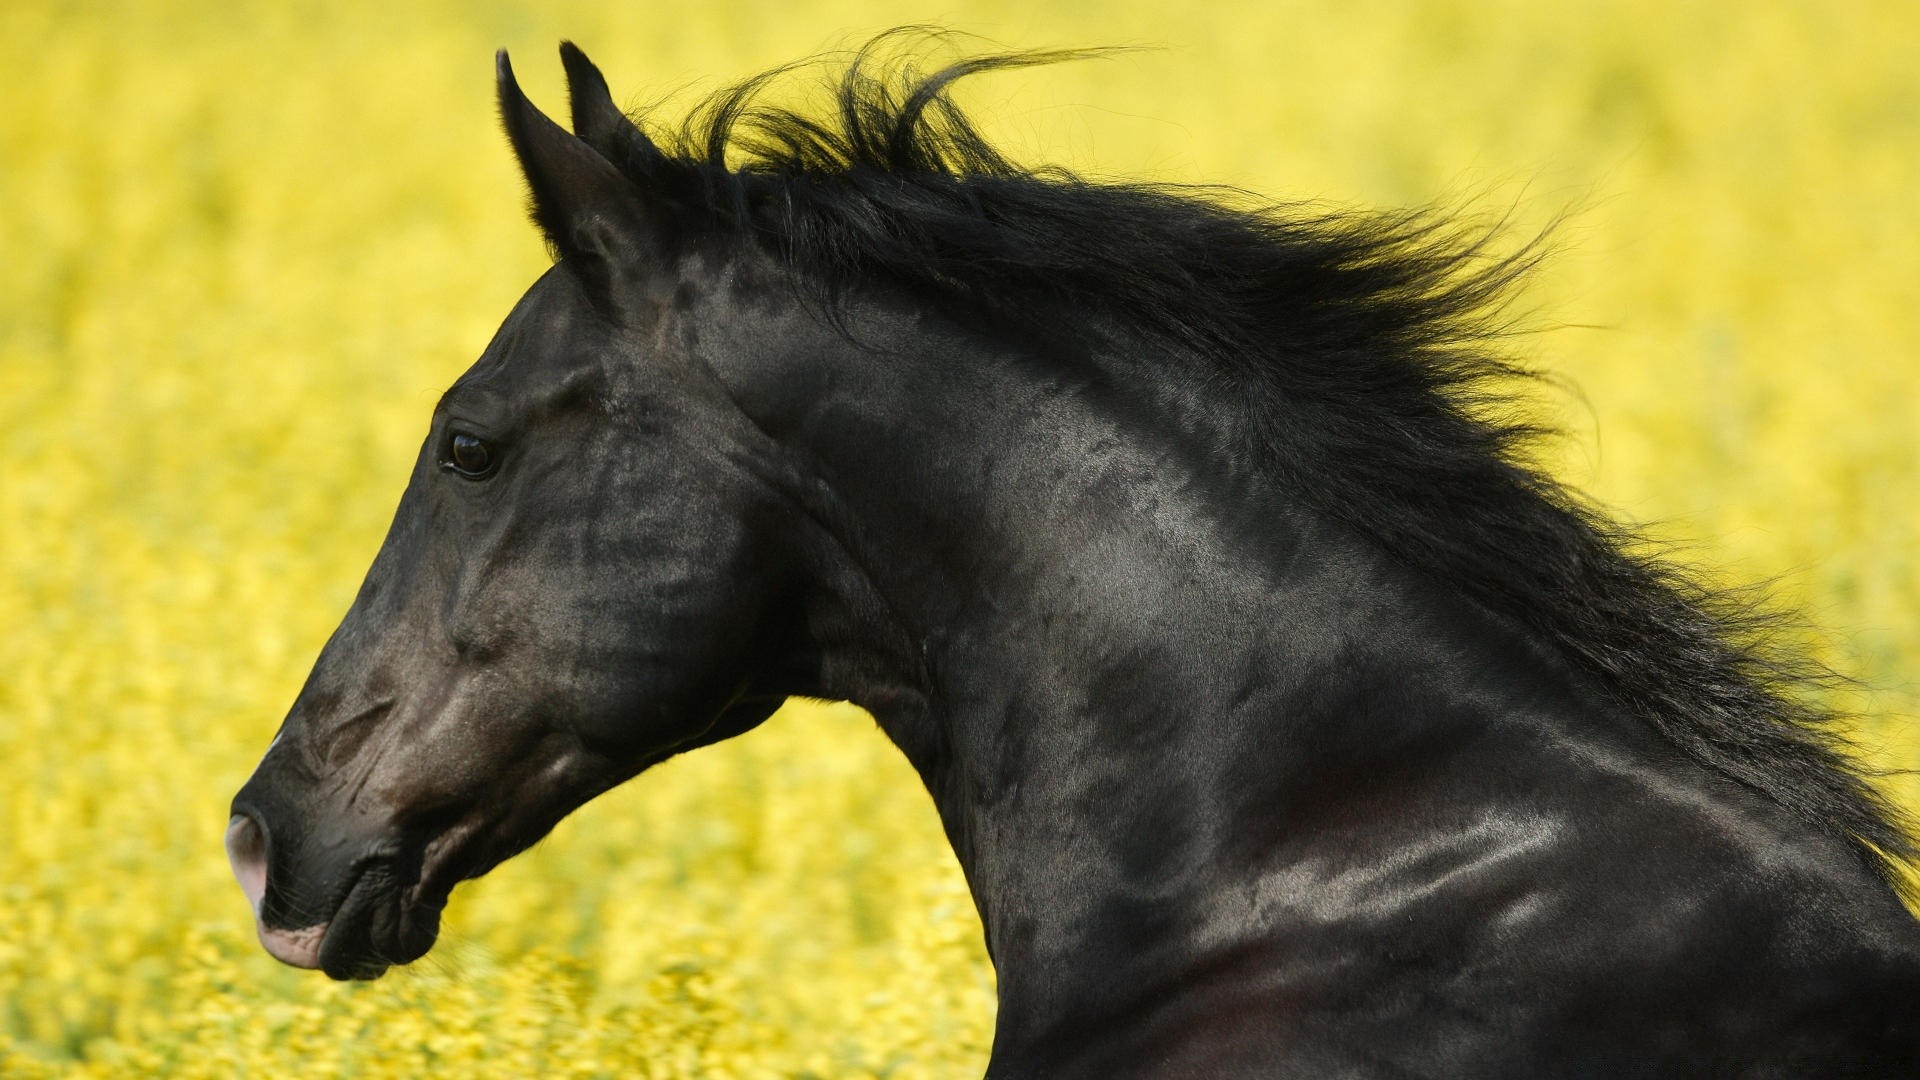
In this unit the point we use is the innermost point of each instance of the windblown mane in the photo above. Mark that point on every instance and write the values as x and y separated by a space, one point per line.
1363 345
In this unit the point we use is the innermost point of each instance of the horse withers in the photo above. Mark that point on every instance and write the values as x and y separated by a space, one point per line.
1284 721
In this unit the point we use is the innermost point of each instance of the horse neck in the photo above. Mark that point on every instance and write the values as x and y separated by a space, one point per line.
1122 672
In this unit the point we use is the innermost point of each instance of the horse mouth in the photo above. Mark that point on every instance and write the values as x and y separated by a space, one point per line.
381 919
388 918
387 912
379 923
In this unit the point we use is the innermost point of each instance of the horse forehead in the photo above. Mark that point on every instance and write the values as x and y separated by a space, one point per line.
553 327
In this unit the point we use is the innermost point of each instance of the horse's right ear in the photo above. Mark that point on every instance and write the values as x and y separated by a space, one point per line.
595 219
600 123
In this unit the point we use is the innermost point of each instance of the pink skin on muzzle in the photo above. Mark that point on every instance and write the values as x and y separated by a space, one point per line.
247 853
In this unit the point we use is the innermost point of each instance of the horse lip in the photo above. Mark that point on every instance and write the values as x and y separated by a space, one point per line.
295 948
352 920
380 923
385 920
378 920
319 947
302 947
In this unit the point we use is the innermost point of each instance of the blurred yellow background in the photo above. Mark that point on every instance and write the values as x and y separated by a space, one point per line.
243 246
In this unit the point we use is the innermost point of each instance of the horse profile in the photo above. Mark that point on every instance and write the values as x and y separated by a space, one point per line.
1284 721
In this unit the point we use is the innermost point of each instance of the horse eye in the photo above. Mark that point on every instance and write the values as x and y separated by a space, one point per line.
470 456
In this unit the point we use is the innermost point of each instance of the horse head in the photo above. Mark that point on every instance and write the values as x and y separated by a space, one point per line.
578 583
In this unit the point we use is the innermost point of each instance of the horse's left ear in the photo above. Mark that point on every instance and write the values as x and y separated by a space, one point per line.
595 218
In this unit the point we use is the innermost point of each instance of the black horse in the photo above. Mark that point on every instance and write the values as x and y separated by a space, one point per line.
1284 721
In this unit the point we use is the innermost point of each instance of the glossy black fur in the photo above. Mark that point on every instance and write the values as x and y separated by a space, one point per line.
1284 721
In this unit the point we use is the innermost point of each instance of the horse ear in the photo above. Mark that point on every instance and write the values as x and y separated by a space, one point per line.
599 122
593 216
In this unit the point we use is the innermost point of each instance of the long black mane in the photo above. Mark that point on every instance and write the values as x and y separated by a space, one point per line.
1364 346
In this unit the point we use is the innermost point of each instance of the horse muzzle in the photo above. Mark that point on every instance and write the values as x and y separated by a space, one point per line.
357 917
247 854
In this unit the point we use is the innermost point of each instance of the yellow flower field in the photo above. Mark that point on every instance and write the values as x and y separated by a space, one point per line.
244 245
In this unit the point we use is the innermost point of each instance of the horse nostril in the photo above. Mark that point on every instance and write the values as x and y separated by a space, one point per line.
247 854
